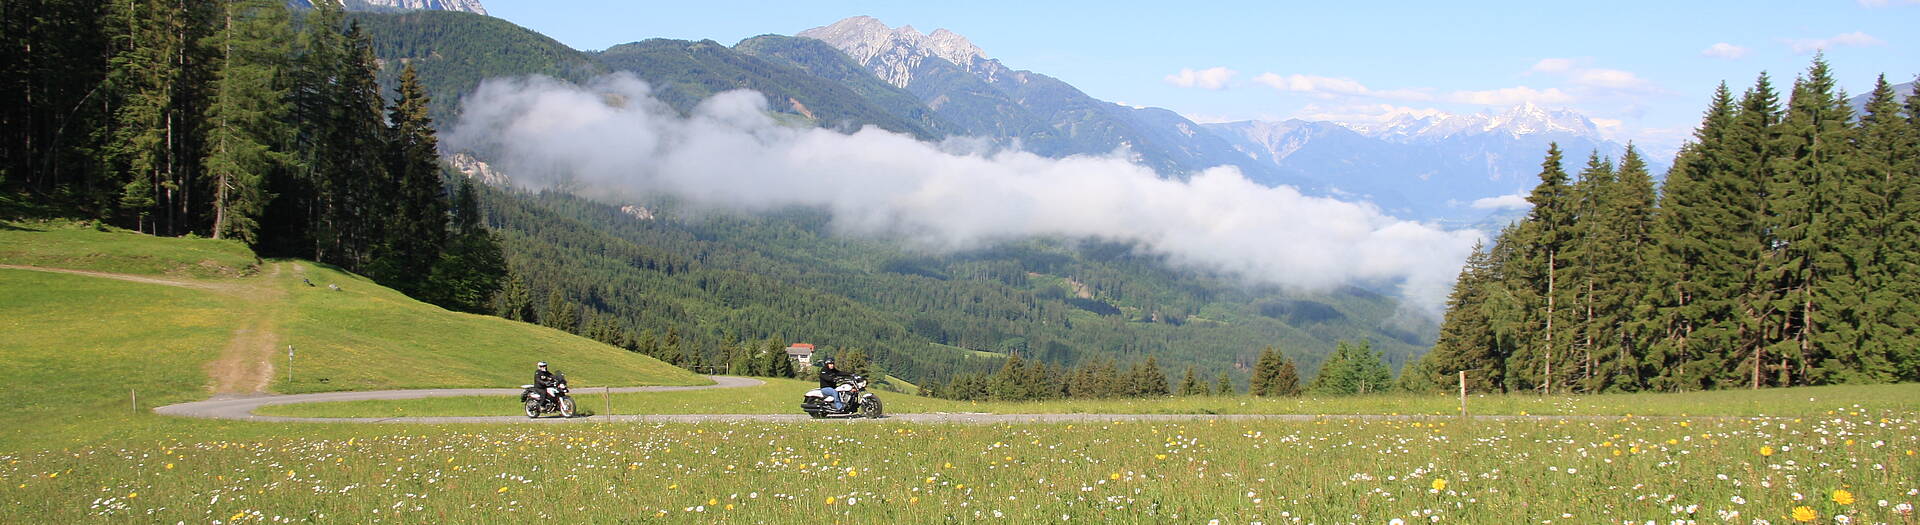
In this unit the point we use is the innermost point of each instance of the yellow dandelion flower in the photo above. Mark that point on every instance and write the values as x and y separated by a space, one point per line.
1804 514
169 466
851 473
1439 484
1766 451
503 490
1842 497
929 480
913 500
1159 456
830 500
1616 452
713 501
948 465
1115 476
729 506
133 495
961 486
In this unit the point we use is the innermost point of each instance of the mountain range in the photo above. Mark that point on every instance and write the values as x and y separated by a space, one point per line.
1420 166
859 72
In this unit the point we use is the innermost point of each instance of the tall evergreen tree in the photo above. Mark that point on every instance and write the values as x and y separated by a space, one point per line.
1542 360
247 127
1224 385
416 219
1805 266
1743 183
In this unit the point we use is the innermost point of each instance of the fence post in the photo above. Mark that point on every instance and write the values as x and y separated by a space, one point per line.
133 399
606 392
1463 393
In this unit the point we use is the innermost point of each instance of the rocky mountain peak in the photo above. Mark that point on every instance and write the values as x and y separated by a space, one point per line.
893 52
464 6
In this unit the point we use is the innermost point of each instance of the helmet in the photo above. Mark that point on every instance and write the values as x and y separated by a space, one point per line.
826 361
542 364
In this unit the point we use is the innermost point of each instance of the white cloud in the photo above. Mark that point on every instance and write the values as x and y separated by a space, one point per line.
1516 201
1511 96
1328 87
1576 73
612 137
1855 39
1553 65
1724 50
1209 78
1609 79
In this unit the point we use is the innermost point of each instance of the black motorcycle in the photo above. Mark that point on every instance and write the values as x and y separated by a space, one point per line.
860 402
538 401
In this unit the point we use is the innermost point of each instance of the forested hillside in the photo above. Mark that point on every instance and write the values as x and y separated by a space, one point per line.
644 275
1782 250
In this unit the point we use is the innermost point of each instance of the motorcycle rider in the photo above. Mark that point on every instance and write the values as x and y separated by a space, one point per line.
545 381
830 378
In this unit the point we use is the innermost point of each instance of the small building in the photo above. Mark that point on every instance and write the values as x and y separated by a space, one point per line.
801 353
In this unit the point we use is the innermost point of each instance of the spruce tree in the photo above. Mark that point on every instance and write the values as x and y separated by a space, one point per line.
1808 198
416 225
1264 369
1702 239
1286 378
1224 385
1541 359
247 127
1742 184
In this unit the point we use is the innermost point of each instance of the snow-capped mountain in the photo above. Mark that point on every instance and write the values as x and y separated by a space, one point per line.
1525 119
1042 114
465 6
1428 165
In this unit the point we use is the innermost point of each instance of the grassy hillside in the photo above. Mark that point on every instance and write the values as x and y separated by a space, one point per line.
164 318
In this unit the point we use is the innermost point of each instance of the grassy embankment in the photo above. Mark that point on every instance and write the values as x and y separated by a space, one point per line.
92 343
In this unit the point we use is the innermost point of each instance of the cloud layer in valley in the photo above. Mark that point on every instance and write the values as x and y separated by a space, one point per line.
611 135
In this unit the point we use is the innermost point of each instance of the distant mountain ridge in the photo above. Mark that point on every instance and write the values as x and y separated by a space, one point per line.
463 6
1429 166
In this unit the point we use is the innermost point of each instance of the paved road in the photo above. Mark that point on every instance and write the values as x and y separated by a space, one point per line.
241 408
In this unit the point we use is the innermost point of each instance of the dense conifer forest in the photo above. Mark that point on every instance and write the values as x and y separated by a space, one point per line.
1781 250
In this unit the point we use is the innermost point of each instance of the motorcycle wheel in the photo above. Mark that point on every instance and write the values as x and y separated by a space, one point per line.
533 409
566 407
871 409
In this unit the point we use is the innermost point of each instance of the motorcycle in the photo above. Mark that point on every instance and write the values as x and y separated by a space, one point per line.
537 401
860 402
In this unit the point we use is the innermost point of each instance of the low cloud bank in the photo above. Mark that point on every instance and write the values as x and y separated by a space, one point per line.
611 135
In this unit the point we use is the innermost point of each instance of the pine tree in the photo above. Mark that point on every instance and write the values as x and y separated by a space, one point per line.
1467 340
1743 183
1704 244
1264 369
1224 385
473 266
1541 360
1148 380
248 133
1190 385
1286 378
1352 369
416 225
560 314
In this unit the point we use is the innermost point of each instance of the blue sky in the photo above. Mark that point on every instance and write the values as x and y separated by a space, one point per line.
1643 70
